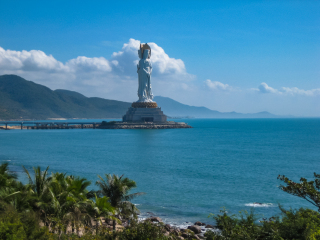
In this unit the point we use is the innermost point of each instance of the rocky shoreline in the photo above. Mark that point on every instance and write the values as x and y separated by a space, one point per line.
192 231
143 125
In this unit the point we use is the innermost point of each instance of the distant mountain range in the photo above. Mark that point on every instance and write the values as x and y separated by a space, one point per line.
173 108
22 99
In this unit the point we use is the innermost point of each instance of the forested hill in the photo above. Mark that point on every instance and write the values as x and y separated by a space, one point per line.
22 99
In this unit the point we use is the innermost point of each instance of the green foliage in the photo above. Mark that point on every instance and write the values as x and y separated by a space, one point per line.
308 190
142 231
299 224
117 190
10 226
292 224
14 225
60 201
6 177
242 226
136 231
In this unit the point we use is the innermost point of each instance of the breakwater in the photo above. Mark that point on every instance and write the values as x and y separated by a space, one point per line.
143 125
47 125
85 125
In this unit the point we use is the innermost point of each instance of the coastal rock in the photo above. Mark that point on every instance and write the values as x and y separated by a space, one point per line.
167 227
209 226
196 237
200 236
185 235
196 229
155 219
176 232
199 223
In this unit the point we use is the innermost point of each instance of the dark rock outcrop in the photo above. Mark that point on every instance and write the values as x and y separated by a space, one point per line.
209 226
196 229
155 219
199 223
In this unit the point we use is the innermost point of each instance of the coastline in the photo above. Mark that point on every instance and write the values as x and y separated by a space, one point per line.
93 125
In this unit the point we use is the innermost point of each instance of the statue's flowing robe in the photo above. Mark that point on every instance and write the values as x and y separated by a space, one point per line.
144 72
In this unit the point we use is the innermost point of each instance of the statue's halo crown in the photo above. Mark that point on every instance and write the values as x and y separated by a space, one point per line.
143 47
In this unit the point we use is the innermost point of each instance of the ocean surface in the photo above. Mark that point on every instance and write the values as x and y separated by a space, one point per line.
186 173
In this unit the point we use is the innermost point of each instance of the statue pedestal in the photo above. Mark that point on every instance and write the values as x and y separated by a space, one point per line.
142 113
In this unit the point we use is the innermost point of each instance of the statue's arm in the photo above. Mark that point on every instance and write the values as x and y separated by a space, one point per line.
147 70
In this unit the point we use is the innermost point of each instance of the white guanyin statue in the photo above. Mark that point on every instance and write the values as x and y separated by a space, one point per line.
144 70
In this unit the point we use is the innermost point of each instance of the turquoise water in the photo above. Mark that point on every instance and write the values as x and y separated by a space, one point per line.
185 173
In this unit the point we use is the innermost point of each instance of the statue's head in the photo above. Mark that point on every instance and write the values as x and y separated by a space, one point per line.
146 54
144 51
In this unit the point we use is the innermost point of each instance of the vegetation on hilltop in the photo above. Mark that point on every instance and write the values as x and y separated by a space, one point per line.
22 99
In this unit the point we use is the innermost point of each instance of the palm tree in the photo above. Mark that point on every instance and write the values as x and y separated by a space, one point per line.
12 191
69 205
101 207
77 203
38 188
117 190
7 178
39 185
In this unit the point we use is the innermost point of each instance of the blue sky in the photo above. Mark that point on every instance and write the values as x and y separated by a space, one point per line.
244 56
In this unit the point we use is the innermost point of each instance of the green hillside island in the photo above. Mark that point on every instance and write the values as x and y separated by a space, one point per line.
22 99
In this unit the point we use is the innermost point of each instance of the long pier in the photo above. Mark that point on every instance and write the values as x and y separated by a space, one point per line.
48 125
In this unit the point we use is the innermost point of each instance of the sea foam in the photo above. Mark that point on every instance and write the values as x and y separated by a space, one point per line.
259 205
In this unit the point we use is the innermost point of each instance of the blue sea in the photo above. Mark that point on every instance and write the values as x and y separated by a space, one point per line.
186 173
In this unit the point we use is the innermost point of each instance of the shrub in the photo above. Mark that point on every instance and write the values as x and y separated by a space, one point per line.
292 224
26 225
142 231
10 226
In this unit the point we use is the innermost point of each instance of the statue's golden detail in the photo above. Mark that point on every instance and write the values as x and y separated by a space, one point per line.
144 105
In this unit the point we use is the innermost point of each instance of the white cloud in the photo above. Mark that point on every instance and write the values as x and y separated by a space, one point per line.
163 65
215 85
297 91
34 60
264 88
89 64
116 75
